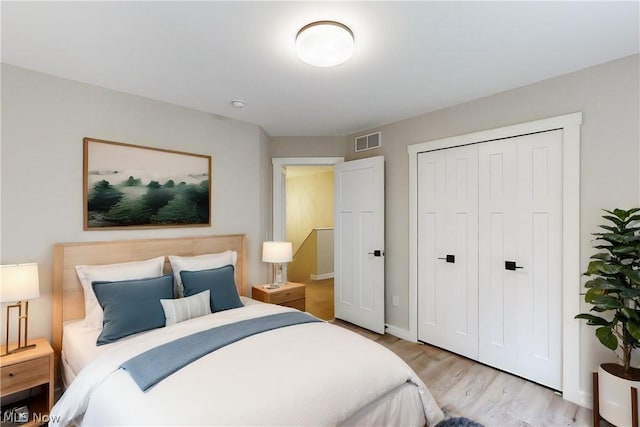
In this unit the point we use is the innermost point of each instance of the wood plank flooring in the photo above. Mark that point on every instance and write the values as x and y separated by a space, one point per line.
465 388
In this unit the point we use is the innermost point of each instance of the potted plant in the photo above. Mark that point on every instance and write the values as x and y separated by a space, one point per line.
614 291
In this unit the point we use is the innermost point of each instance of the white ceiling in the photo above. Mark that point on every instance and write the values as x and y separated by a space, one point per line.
410 57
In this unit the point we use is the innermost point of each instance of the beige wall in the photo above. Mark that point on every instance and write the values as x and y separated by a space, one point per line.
44 119
266 197
608 96
308 146
325 252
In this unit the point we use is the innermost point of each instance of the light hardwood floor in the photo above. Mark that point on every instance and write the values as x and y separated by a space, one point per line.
489 396
319 298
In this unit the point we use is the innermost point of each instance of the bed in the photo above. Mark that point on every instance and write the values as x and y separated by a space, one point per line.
306 373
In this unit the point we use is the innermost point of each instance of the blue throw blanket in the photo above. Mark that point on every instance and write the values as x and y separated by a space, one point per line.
149 368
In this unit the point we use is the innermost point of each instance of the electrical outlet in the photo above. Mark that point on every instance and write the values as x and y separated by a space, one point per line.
396 301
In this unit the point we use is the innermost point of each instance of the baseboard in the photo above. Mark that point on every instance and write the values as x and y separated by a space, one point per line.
398 332
579 397
322 276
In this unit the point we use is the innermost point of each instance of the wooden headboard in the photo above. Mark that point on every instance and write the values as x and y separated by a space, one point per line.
68 297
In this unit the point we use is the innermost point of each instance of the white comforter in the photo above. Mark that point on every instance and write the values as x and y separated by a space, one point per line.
309 374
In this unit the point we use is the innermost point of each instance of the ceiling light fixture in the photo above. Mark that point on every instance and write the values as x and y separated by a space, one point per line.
238 103
324 43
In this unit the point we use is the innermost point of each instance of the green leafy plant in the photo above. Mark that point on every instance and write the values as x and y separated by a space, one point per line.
614 285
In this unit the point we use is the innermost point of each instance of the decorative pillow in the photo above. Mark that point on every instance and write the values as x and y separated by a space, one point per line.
110 273
131 306
221 283
181 309
199 262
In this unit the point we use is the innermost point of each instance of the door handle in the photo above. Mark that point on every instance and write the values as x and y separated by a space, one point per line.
450 258
377 252
511 265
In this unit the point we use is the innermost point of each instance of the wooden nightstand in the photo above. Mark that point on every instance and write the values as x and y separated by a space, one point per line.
289 295
28 370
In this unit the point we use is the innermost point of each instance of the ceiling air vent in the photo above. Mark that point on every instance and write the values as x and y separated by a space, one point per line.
368 142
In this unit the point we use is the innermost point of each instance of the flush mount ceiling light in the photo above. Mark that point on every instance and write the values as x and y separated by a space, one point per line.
238 103
324 43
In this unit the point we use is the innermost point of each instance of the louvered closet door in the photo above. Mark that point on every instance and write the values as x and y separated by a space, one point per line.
448 249
520 221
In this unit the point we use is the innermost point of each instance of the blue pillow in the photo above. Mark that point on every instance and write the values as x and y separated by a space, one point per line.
221 283
131 306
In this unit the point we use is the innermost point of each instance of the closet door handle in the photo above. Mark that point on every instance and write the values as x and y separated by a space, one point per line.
450 258
511 265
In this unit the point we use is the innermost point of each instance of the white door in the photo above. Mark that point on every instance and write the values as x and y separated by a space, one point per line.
520 217
359 242
448 249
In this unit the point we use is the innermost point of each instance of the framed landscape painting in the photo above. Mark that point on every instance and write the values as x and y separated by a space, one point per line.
131 186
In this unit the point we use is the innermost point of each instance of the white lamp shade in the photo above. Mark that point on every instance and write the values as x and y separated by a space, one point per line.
277 252
19 282
324 43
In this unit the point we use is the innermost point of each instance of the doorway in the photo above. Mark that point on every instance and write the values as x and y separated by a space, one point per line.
303 214
309 227
572 368
495 209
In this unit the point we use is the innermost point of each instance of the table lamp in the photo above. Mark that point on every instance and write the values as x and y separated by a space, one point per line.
276 253
18 284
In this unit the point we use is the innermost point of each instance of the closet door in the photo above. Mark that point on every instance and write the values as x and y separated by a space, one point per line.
448 249
520 233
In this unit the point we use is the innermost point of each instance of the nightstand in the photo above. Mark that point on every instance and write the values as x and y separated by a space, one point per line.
27 371
289 295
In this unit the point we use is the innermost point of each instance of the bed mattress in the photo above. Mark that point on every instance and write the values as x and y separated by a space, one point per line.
78 348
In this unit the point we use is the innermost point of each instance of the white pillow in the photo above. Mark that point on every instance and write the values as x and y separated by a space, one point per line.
181 309
87 274
197 263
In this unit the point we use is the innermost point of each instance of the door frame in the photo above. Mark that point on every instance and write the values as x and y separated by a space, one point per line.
571 273
279 184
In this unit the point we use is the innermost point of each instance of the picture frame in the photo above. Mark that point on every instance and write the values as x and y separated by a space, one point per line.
127 186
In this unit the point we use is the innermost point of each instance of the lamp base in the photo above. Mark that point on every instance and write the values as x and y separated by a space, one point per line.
272 286
22 333
18 349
